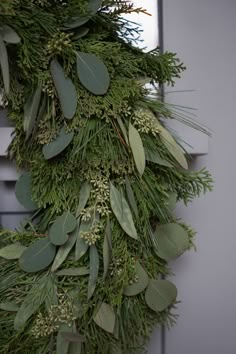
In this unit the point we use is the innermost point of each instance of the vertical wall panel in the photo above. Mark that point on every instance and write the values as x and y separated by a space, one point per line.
203 34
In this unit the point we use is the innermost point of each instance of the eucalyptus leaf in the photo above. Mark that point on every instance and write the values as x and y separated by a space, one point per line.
175 149
63 252
105 318
63 344
73 337
156 158
40 115
74 272
51 294
31 109
141 284
32 302
172 240
9 35
116 329
80 33
13 251
122 211
58 145
92 73
62 226
172 200
75 348
81 246
23 191
93 269
9 306
65 89
83 196
4 65
131 197
76 21
37 256
160 294
137 148
107 249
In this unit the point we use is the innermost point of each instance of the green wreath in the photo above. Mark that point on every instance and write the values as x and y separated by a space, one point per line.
86 272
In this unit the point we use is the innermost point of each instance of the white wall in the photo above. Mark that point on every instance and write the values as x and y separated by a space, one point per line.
203 33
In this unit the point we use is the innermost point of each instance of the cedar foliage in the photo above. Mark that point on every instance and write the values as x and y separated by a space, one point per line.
99 153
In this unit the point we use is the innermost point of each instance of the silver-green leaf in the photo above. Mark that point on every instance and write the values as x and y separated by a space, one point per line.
13 251
23 191
131 197
81 246
93 270
73 272
171 241
92 73
65 88
105 318
107 249
83 196
137 149
62 345
76 21
141 284
160 294
31 109
174 149
63 252
58 145
61 227
37 256
172 200
73 337
75 348
122 211
80 33
156 158
4 65
9 35
9 306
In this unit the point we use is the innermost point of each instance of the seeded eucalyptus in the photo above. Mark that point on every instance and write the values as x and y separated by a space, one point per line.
102 177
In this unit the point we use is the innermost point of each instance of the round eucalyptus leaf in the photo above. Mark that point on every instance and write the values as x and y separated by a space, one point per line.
23 192
140 285
63 225
92 73
76 21
105 318
58 145
160 294
13 251
171 240
38 256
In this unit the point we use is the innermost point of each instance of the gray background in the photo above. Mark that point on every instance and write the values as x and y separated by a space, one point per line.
203 34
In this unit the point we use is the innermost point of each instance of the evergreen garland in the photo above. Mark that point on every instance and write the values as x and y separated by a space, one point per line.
84 274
